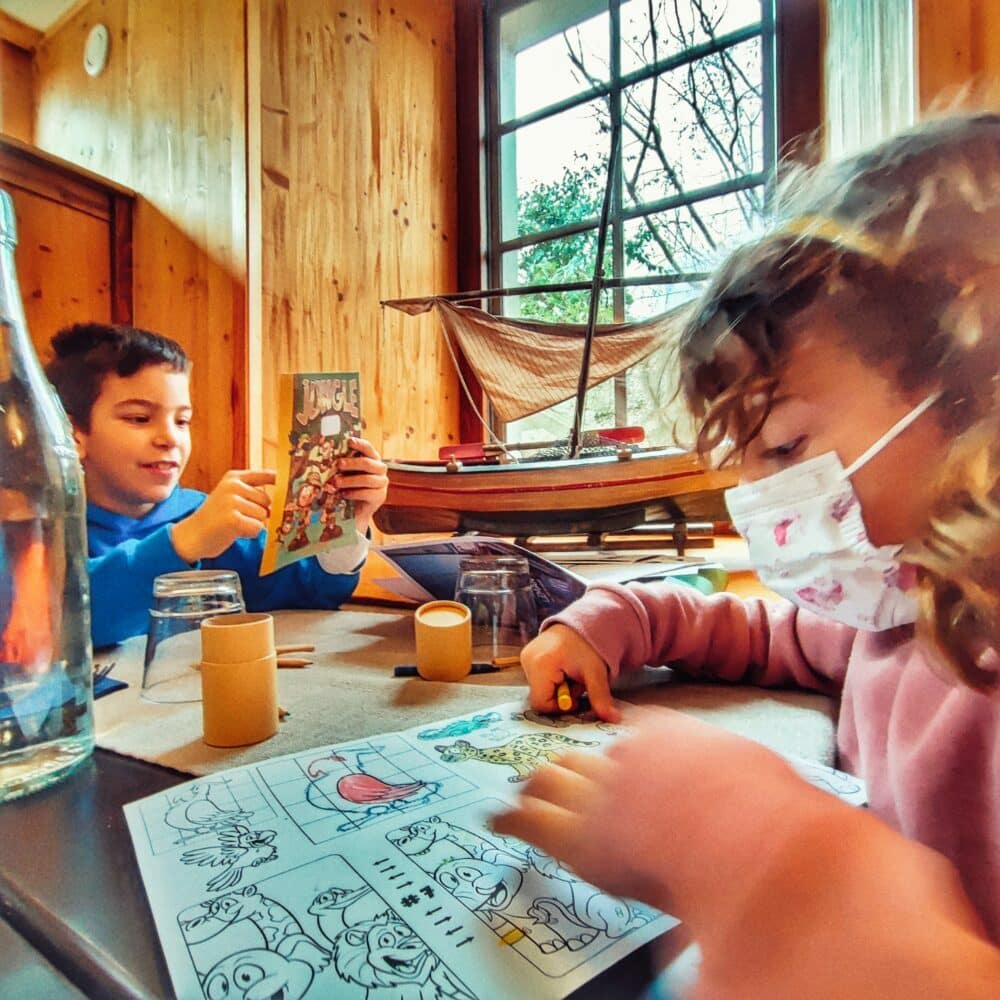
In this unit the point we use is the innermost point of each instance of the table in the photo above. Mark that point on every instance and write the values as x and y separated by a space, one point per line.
69 884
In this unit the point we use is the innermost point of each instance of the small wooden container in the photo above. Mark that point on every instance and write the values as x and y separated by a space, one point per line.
237 638
444 640
239 701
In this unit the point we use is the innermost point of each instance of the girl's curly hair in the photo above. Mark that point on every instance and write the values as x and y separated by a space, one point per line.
900 247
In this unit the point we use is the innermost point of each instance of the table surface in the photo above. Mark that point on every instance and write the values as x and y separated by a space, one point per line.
69 882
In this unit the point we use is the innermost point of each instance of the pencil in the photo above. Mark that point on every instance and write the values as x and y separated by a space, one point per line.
293 661
305 647
506 661
410 670
563 698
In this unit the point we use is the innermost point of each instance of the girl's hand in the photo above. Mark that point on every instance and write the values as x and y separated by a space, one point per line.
363 479
678 814
236 508
560 654
776 880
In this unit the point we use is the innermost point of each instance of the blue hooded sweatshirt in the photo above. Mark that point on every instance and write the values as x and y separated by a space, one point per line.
127 554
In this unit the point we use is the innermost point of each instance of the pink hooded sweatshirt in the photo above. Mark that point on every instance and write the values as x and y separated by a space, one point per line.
928 749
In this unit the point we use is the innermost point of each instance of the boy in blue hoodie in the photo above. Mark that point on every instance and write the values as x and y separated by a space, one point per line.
127 395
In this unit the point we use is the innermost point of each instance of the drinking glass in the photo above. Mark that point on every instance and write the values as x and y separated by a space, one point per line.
181 602
498 592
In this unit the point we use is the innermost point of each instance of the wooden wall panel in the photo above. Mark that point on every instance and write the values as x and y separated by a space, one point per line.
167 119
62 281
17 97
958 45
358 205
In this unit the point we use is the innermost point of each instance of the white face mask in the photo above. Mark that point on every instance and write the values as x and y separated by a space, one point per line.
808 541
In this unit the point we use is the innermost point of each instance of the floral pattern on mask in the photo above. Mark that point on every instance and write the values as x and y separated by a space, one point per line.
808 542
781 530
824 595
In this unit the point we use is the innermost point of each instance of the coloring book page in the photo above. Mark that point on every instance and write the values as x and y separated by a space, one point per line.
318 412
367 870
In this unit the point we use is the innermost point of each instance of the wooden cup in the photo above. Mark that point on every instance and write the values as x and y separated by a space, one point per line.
237 638
239 701
444 640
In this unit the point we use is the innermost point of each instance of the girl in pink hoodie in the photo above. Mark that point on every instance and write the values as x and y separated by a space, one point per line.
849 360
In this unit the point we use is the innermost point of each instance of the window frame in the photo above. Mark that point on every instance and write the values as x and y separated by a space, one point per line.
791 33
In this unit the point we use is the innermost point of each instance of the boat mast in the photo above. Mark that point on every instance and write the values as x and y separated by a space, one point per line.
595 292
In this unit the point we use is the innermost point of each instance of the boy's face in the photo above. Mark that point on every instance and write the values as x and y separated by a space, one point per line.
139 440
829 399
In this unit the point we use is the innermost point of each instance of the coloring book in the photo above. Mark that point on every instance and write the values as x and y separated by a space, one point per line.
317 413
367 869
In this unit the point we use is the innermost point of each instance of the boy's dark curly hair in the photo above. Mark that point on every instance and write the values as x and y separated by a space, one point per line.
84 354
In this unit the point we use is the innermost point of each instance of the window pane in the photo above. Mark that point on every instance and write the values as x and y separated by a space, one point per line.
678 26
553 172
545 58
692 237
550 263
555 423
694 126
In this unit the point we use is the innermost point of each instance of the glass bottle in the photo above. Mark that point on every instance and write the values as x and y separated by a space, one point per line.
46 687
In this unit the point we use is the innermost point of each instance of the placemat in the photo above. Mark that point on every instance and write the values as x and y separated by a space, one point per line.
349 692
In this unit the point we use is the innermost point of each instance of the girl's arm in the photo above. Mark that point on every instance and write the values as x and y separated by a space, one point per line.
788 891
615 628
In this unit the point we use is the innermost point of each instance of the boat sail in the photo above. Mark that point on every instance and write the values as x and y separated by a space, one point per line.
527 366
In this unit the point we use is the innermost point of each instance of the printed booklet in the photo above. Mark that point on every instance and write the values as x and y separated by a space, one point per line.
429 570
317 413
368 868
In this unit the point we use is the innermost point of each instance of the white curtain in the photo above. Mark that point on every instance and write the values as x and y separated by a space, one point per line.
870 77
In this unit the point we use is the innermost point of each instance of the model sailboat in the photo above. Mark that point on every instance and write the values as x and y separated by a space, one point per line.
524 367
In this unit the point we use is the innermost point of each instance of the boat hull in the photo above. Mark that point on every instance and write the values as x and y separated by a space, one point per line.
580 495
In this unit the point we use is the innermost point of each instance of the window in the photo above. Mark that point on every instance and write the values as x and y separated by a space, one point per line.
692 84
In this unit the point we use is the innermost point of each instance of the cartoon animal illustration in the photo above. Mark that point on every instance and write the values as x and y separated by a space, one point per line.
337 907
380 952
257 972
385 956
491 891
581 903
435 841
523 753
460 727
279 958
238 848
193 811
361 788
278 926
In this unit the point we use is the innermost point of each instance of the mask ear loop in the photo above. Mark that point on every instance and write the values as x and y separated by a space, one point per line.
892 433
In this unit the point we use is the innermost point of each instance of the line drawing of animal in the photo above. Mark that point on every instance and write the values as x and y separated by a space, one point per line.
436 841
279 927
523 753
582 903
460 727
359 787
356 794
193 811
286 964
374 948
493 892
238 848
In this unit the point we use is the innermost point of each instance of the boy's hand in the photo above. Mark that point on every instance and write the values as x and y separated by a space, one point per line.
560 654
362 478
236 508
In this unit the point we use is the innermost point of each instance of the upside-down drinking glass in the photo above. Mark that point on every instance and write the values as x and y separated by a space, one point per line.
181 602
498 592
